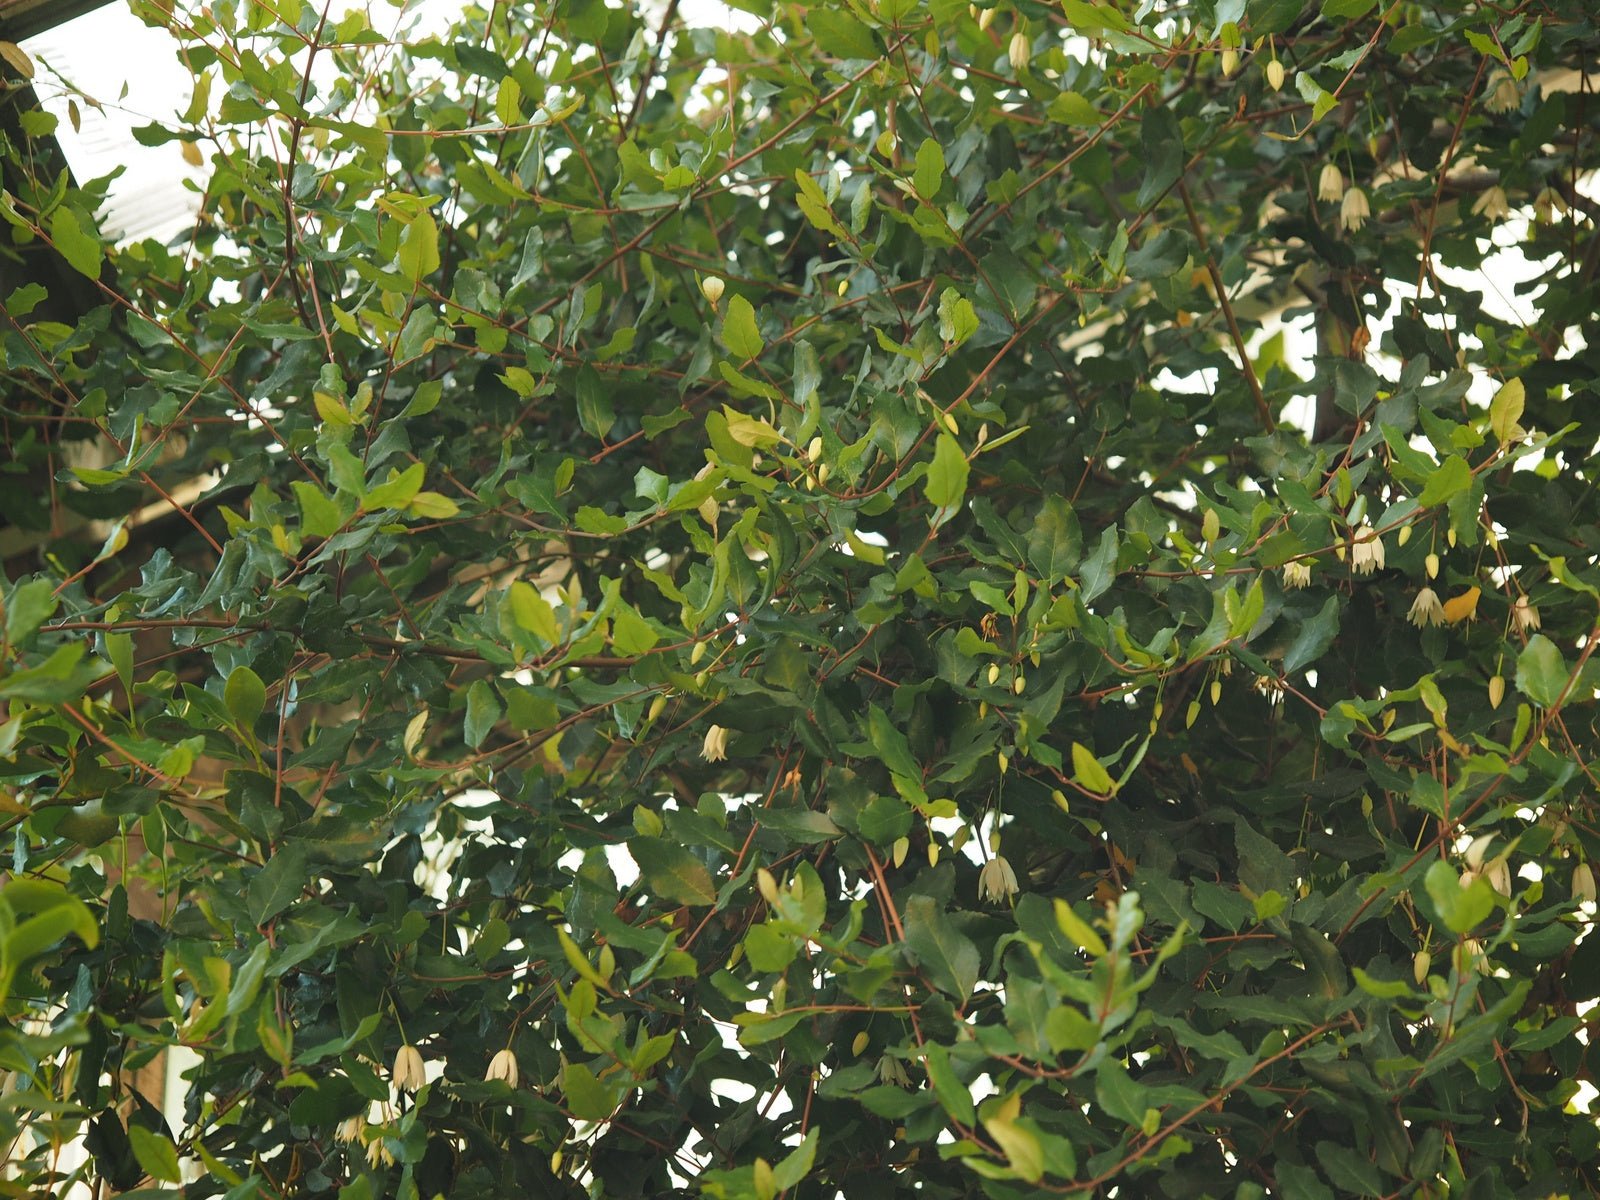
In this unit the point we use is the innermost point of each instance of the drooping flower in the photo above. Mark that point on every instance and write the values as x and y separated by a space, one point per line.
997 882
1524 615
1548 205
1020 52
1503 94
715 748
349 1131
408 1070
1330 184
1583 883
1355 210
1366 550
503 1066
1493 203
378 1154
1296 574
1426 609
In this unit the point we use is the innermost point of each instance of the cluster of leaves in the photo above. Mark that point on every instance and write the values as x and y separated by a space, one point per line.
837 585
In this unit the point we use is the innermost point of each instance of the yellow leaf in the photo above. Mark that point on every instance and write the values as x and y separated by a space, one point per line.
1462 608
18 58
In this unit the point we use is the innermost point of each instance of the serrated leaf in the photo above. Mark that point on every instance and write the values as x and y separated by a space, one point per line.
944 953
81 249
672 872
1505 410
1542 672
245 697
947 475
739 332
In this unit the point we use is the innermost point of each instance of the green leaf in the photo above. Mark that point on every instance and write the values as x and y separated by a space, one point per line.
839 35
396 492
81 249
1313 637
157 1156
929 173
1542 672
28 606
483 712
278 884
947 474
672 872
947 956
1452 477
587 1098
1505 410
739 332
1088 773
952 1093
1461 908
245 696
419 248
1070 108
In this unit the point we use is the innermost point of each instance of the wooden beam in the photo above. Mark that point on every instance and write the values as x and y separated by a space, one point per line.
21 19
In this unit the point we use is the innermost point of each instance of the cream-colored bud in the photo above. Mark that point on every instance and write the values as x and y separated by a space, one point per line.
814 449
1583 883
1018 684
1497 690
503 1066
1020 51
1275 75
1230 62
860 1043
657 707
1003 760
1060 798
898 852
696 653
1405 535
712 288
1420 964
1477 849
994 673
1430 564
1216 690
556 1159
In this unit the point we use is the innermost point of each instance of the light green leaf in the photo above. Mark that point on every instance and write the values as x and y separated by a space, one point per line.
739 332
1542 672
947 475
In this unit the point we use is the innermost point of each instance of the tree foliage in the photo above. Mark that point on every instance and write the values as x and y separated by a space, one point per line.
886 598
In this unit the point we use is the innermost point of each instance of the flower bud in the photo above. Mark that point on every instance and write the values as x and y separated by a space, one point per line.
1419 966
1020 51
1275 75
1430 564
814 449
1230 62
1060 798
1497 690
1477 849
657 707
860 1043
1003 760
1018 684
985 18
712 288
902 847
994 673
1583 883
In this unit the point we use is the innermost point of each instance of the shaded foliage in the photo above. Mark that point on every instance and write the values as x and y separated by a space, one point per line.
840 590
